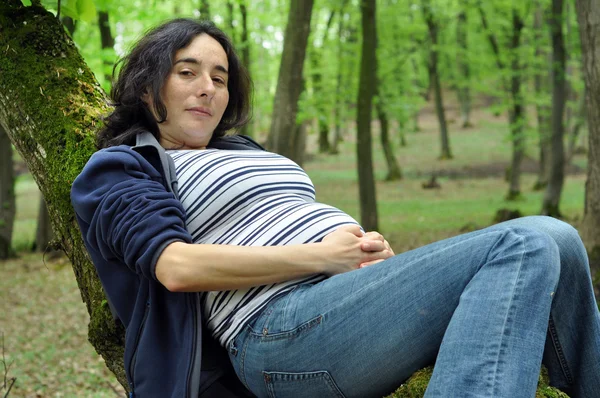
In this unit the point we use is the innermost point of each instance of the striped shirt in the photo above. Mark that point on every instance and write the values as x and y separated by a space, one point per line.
249 198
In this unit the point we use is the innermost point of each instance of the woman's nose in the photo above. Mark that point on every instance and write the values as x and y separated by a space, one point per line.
206 87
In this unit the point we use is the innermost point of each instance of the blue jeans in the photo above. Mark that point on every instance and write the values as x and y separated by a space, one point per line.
487 308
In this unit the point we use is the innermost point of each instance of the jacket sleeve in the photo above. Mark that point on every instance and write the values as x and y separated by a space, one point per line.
124 211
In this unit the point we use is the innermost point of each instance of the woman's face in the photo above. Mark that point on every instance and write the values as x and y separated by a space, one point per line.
195 94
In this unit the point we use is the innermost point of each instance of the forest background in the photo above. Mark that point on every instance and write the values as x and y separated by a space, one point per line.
421 118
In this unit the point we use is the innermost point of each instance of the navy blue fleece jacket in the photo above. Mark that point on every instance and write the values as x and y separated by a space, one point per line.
128 212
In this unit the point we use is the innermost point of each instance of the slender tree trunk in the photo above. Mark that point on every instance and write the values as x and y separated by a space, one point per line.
541 84
107 42
338 114
434 79
415 82
7 195
516 114
229 22
394 171
551 201
248 129
204 10
317 78
577 126
364 148
43 233
289 83
464 71
51 119
588 16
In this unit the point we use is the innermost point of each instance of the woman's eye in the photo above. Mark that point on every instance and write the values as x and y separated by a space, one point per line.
186 73
219 80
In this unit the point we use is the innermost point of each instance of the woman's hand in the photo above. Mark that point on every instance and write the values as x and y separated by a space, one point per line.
366 247
350 249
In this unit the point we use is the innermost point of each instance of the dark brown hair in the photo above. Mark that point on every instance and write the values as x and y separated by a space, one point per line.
147 67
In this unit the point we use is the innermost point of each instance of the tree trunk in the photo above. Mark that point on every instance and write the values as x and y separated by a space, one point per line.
204 10
51 122
107 42
543 112
434 79
364 151
394 171
464 71
516 113
588 16
551 201
289 83
229 22
317 78
338 115
574 133
7 195
43 233
248 128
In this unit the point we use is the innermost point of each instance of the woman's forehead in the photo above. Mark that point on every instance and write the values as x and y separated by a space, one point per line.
203 48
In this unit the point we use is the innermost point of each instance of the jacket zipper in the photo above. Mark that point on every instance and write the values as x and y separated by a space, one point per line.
137 340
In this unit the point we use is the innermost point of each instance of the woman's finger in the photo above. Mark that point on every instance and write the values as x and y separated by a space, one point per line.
368 263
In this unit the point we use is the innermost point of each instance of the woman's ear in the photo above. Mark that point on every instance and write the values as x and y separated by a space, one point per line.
146 97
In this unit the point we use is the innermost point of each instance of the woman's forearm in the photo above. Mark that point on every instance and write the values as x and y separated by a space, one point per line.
198 267
185 267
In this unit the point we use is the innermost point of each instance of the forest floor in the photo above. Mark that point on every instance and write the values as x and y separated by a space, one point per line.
44 322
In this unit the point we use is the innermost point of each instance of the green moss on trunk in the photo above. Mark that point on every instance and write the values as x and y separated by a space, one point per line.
50 106
417 384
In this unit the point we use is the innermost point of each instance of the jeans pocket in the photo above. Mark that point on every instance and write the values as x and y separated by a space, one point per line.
306 384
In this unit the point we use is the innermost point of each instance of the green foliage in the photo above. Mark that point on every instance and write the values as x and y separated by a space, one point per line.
84 10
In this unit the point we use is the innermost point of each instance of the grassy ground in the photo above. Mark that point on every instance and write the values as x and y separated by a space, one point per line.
44 321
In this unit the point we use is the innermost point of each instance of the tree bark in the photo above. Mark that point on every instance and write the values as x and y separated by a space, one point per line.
364 151
43 233
588 16
464 71
51 119
550 205
577 126
289 83
541 85
317 78
339 100
516 113
394 171
107 42
7 195
248 128
512 88
434 79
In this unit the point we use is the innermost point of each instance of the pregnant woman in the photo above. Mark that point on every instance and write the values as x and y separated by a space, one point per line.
217 259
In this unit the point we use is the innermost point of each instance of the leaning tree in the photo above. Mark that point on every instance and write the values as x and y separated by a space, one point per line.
50 106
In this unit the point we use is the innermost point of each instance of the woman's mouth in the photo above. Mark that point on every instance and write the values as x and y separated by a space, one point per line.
200 110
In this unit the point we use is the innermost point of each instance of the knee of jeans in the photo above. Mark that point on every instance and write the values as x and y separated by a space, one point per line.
570 246
538 243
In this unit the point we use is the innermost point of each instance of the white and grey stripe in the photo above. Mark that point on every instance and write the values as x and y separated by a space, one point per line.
249 198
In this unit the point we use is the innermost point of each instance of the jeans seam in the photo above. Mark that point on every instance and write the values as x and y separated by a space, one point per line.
495 380
243 360
559 351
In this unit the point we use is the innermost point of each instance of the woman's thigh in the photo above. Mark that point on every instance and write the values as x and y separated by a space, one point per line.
363 332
